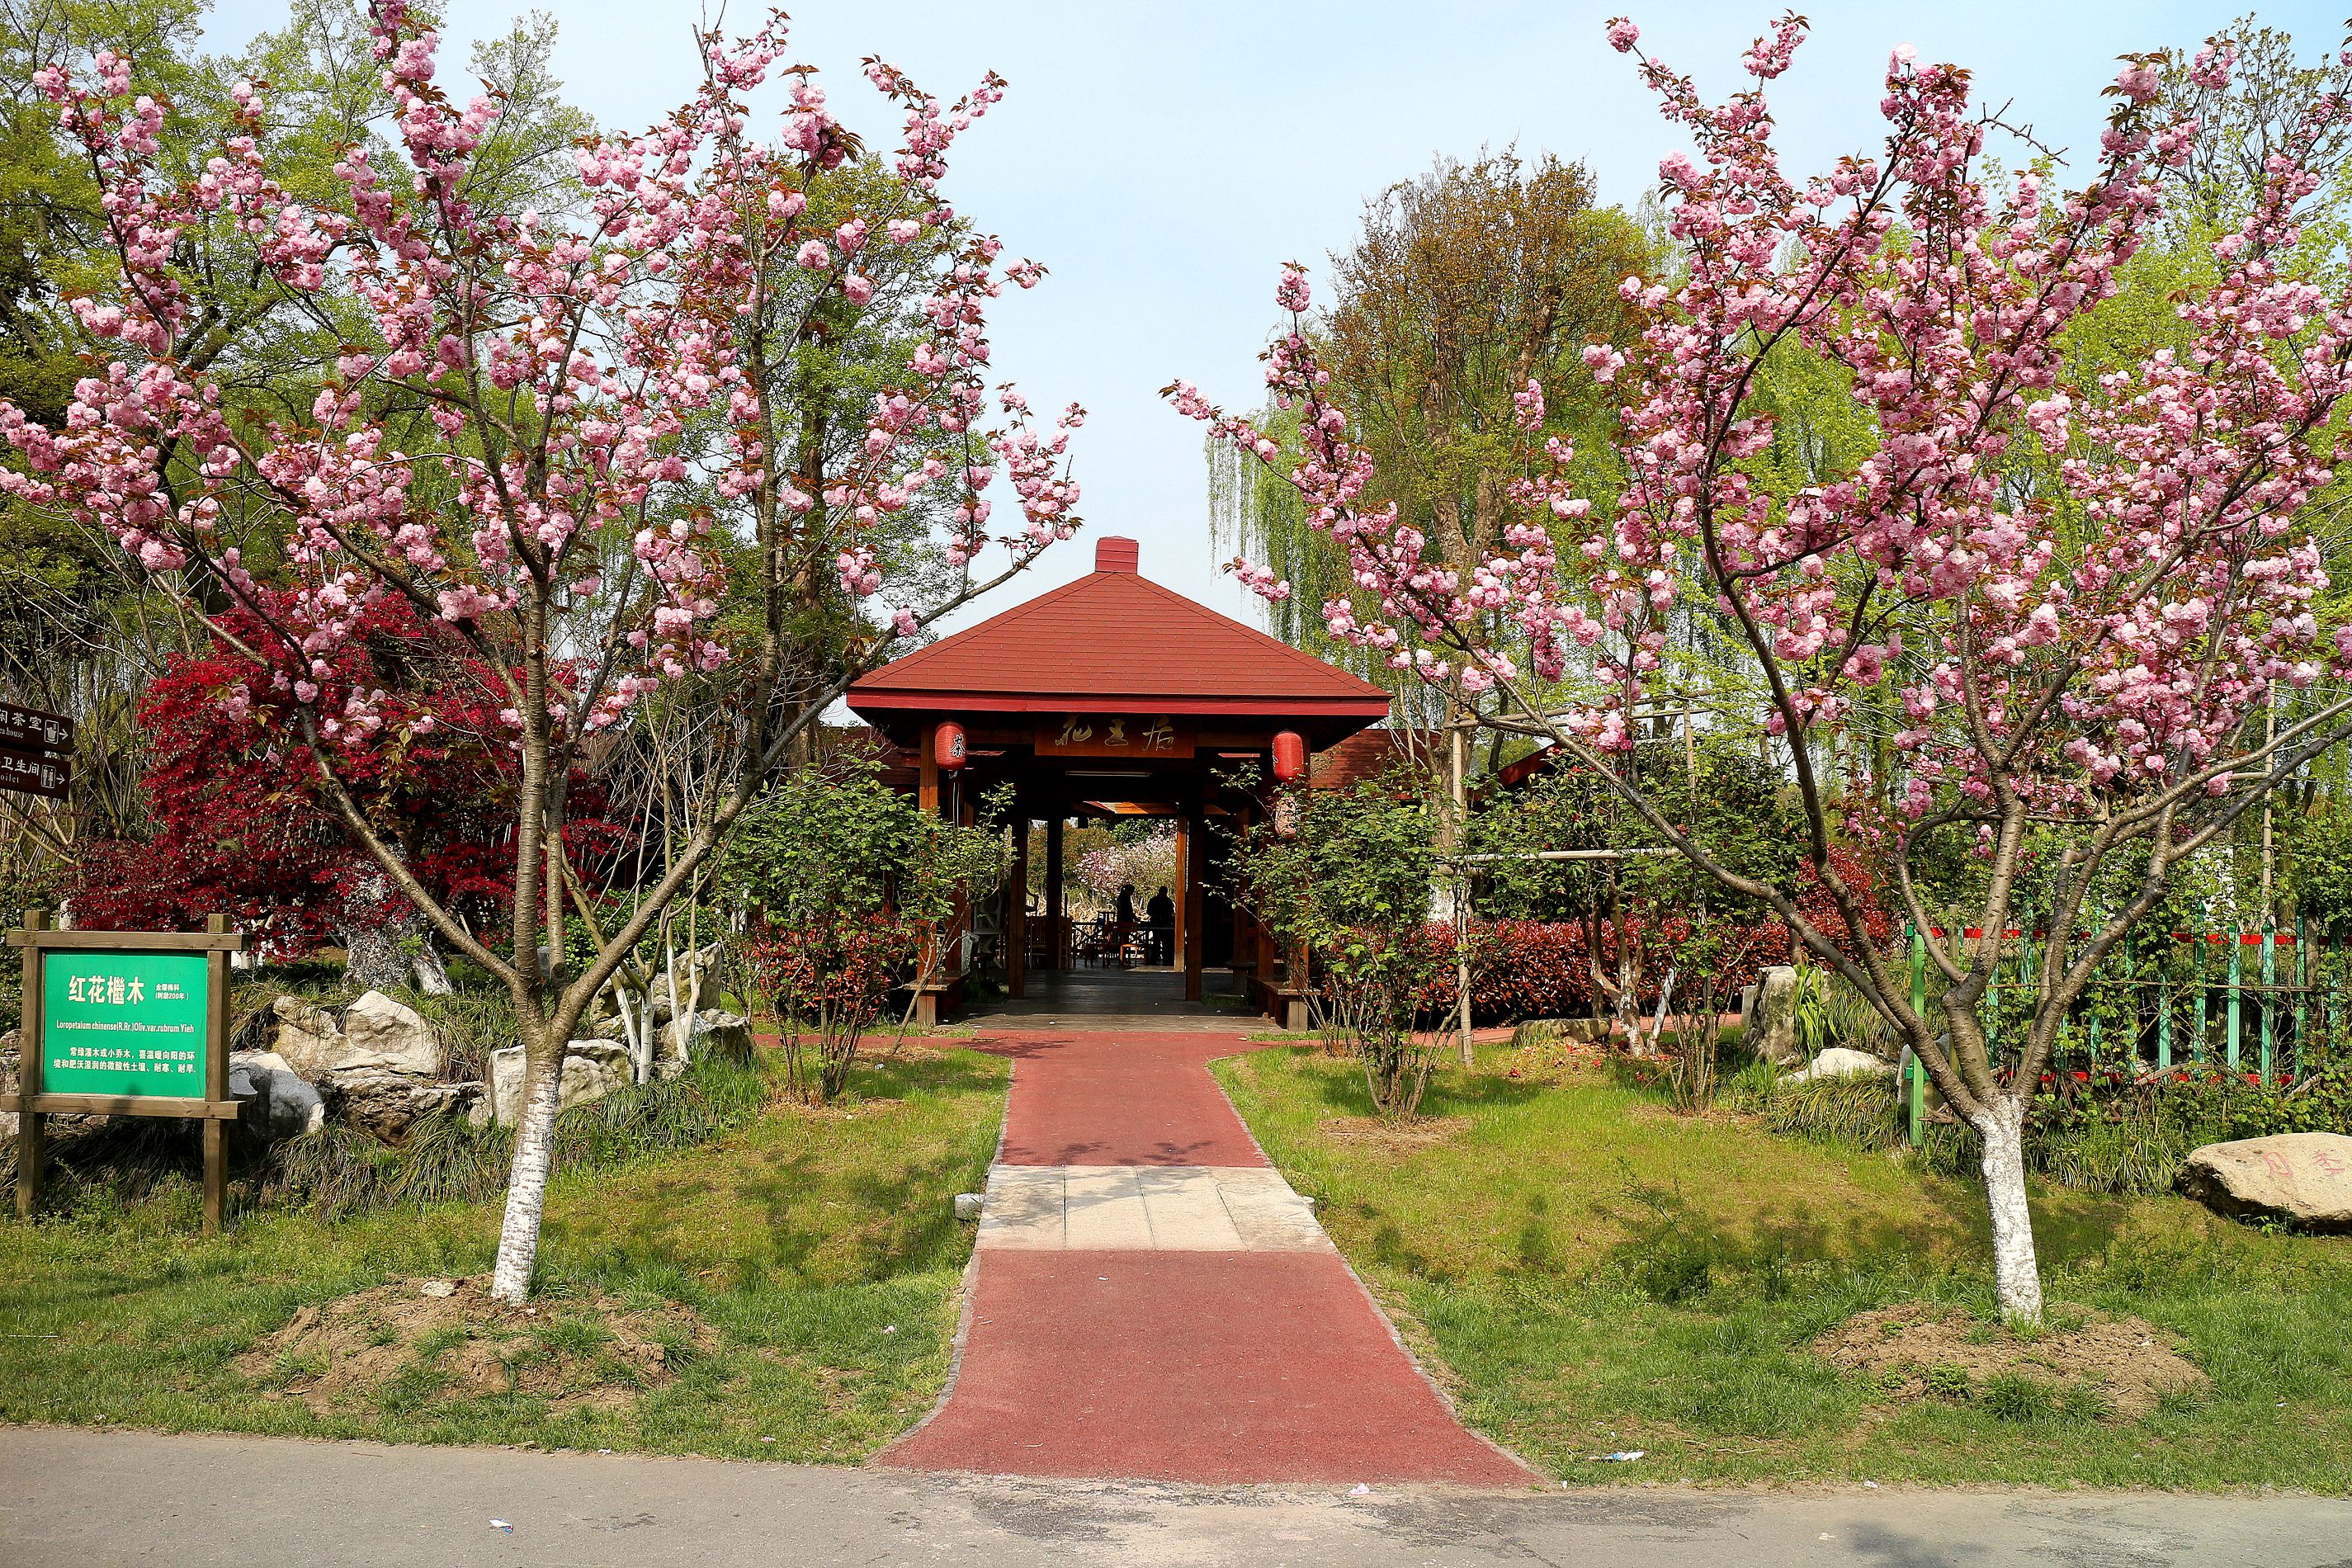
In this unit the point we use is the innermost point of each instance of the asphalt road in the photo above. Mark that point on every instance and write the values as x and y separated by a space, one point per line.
93 1500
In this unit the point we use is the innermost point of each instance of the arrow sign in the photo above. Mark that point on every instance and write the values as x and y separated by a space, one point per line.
46 774
26 728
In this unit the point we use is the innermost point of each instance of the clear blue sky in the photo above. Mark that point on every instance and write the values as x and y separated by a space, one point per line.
1162 159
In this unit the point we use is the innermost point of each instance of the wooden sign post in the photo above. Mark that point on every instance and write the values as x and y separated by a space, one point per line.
124 1023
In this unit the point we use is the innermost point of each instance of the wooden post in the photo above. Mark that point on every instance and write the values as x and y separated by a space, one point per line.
1191 912
1016 914
32 1141
2237 948
216 1078
1058 927
933 961
1179 943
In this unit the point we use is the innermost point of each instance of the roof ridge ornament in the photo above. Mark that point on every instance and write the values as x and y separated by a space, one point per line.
1114 552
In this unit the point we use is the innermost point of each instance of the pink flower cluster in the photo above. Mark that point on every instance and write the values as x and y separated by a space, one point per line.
558 364
2071 584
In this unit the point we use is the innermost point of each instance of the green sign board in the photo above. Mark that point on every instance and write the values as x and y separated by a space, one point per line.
124 1023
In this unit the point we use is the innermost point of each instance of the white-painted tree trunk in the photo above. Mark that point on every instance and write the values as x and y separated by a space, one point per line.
534 1160
2016 1271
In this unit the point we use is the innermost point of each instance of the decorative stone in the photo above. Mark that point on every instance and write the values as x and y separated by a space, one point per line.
381 1033
968 1205
592 1069
306 1037
1837 1061
1772 1021
712 1032
2303 1177
286 1104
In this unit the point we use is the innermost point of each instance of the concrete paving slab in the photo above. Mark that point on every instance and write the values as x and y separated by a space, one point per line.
1102 1207
1267 1215
1188 1213
1023 1207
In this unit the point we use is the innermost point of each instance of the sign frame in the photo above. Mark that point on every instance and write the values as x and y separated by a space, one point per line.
33 1104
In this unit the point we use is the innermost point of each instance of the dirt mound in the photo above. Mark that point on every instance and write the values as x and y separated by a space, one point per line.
1421 1132
438 1339
1919 1350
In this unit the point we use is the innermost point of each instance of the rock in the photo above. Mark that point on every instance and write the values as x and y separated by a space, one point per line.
286 1104
592 1069
387 1104
306 1037
438 1289
1837 1061
383 1033
1773 1022
712 1032
968 1204
689 965
2304 1177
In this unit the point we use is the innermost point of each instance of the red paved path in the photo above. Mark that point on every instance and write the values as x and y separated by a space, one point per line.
1191 1366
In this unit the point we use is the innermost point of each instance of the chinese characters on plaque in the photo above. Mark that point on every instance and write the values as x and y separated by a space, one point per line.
1137 735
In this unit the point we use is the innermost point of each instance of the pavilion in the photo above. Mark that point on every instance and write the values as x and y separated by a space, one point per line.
1106 698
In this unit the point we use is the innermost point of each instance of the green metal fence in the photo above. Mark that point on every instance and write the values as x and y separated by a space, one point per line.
2252 1003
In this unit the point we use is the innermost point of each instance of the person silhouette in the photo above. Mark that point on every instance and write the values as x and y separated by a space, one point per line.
1161 914
1126 912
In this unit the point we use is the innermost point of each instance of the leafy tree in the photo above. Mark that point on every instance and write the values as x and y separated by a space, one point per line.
1345 879
2085 649
847 883
498 440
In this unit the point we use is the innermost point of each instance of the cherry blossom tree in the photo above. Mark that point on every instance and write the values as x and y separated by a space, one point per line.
2085 589
503 444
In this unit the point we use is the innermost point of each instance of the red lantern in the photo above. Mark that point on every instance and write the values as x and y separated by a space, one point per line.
1289 757
948 746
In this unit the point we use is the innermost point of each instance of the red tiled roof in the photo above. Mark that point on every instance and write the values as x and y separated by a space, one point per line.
1114 641
1368 755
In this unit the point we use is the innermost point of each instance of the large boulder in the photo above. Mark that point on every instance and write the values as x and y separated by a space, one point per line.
1837 1061
285 1103
375 1035
1772 1021
306 1037
384 1034
689 965
592 1069
711 1032
2303 1177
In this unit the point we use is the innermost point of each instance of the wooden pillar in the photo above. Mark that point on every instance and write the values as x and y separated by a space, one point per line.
1192 913
1016 914
32 1126
1180 944
934 960
1055 923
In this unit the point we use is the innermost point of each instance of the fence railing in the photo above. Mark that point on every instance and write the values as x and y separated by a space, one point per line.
2245 1002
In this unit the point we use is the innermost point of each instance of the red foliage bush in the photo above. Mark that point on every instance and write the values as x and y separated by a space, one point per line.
241 826
1538 969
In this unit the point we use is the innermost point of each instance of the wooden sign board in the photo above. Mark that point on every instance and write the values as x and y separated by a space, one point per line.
24 729
42 773
124 1024
1128 736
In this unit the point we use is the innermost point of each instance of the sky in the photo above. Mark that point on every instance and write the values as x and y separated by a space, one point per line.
1164 160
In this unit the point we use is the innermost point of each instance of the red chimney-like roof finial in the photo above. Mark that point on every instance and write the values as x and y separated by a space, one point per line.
1113 553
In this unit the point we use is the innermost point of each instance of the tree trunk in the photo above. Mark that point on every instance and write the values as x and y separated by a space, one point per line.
534 1161
2016 1273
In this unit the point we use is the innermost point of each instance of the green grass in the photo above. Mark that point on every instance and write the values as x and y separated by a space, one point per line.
799 1238
1590 1273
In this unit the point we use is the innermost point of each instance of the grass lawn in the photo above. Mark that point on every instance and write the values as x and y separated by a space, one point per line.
1591 1273
815 1251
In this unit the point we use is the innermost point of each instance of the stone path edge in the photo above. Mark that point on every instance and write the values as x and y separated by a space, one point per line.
1536 1476
964 1286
